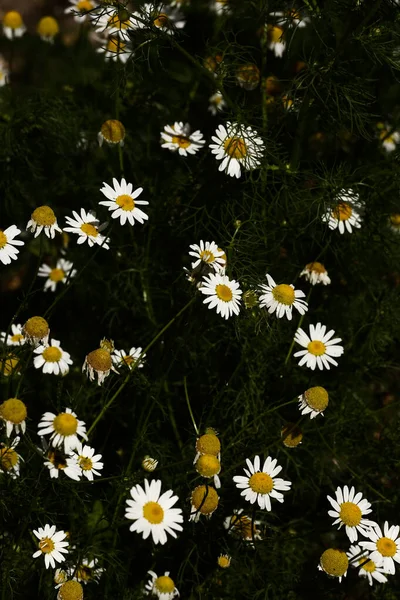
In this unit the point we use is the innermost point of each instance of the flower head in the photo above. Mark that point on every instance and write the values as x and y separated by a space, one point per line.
64 429
163 18
282 298
209 466
13 412
51 545
7 242
99 362
52 359
9 365
394 222
15 338
48 28
260 485
86 570
224 561
121 358
10 459
208 443
320 347
88 228
43 219
237 146
290 18
114 21
60 462
58 274
80 9
388 136
349 509
291 435
70 590
209 254
315 272
13 25
217 103
204 501
112 131
243 527
177 137
115 49
367 567
149 464
276 40
88 461
346 213
248 76
222 293
334 562
384 546
123 202
163 586
36 331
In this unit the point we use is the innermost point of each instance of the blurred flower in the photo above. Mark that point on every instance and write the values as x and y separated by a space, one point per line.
13 25
209 466
236 146
88 461
13 412
243 527
7 243
222 293
120 358
4 71
15 338
346 213
48 28
349 509
163 17
208 253
290 18
282 298
64 429
314 401
51 544
217 103
177 137
122 202
115 21
224 561
389 137
60 273
80 9
43 219
384 546
36 331
275 39
394 222
220 7
52 359
315 272
260 485
10 459
320 348
248 76
204 501
112 131
59 462
115 49
163 587
334 562
367 566
88 228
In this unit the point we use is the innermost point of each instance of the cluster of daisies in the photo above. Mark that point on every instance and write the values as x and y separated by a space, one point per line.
14 27
375 556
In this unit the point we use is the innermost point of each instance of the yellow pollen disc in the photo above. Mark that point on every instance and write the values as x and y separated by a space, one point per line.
46 545
284 294
9 365
369 566
350 514
36 327
65 424
208 444
153 512
386 546
84 5
224 292
181 140
13 410
52 354
261 483
85 463
274 33
317 267
99 360
316 347
317 398
115 45
57 459
71 590
342 211
44 215
89 229
48 26
3 239
113 131
114 21
224 561
242 526
8 458
18 337
235 147
205 499
162 20
291 435
56 275
334 562
208 465
12 19
125 202
394 219
164 584
207 256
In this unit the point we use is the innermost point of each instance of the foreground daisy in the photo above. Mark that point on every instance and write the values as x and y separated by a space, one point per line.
115 49
88 461
88 228
51 544
237 146
222 293
346 213
315 273
334 562
367 566
10 459
320 347
13 413
177 137
80 9
163 587
208 253
243 527
123 202
59 274
15 338
59 462
349 509
43 219
152 513
162 17
52 359
384 546
204 500
217 103
260 485
13 25
314 401
64 429
282 298
98 363
7 243
120 358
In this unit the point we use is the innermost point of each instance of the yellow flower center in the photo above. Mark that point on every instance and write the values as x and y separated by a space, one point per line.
8 458
18 337
261 483
85 463
224 561
44 215
65 424
71 590
13 410
316 347
350 514
317 267
115 45
162 20
293 14
46 545
181 140
164 584
386 546
334 562
291 435
249 73
369 566
235 147
153 512
36 327
89 229
127 360
284 294
224 292
3 239
242 525
394 219
56 275
9 365
205 499
48 26
99 360
113 131
57 459
52 354
115 21
84 5
208 444
207 256
342 211
208 465
317 398
84 572
12 19
275 33
125 202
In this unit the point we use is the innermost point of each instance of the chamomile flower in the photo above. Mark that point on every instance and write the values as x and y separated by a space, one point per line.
98 363
314 401
86 570
209 466
13 413
384 546
13 25
43 219
4 72
15 338
80 9
291 435
88 461
52 359
114 21
367 567
334 563
48 28
163 586
394 222
115 49
7 243
388 136
51 544
248 76
208 444
88 228
36 331
260 485
152 513
224 561
220 7
59 462
10 459
165 18
58 274
149 464
222 293
346 213
315 273
120 358
177 137
276 40
204 501
60 577
70 590
349 509
123 202
320 347
208 253
113 132
237 147
243 527
282 298
64 429
217 103
290 18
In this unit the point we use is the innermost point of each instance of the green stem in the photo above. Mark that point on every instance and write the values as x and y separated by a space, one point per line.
299 325
189 407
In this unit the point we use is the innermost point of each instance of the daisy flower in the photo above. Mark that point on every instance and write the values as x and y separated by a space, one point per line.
123 202
4 71
394 222
367 566
314 401
13 413
389 137
52 359
275 40
217 103
346 214
208 253
208 444
15 338
248 76
260 485
10 459
113 21
178 137
320 347
115 49
384 546
43 219
149 464
282 298
88 461
60 577
7 243
88 228
13 25
152 513
165 18
290 18
349 509
59 462
243 527
86 571
98 363
121 358
59 274
204 501
222 293
48 28
64 429
163 587
80 9
224 561
209 466
70 590
315 273
334 563
51 544
36 331
113 132
237 146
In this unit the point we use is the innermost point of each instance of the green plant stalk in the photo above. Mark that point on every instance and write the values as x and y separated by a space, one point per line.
298 327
